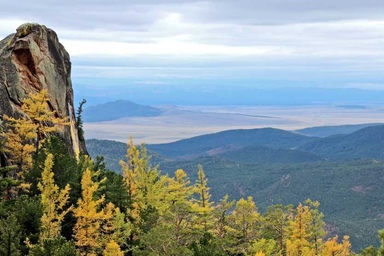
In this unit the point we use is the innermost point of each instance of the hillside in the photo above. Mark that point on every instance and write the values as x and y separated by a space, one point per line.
365 143
230 140
348 191
325 131
118 109
265 155
274 173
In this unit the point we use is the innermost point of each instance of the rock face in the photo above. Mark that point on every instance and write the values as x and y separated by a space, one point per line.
32 60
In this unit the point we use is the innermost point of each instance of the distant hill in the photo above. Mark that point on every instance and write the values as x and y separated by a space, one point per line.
228 141
114 151
118 109
364 143
325 131
265 155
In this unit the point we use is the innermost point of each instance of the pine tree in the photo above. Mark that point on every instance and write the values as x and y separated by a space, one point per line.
10 234
276 224
9 182
79 120
53 202
316 226
266 246
381 237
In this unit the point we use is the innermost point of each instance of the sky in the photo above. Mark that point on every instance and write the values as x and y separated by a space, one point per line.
146 49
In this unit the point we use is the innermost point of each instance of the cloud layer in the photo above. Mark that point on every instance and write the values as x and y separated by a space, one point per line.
313 43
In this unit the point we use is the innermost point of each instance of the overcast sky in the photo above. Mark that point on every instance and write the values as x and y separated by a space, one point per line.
177 44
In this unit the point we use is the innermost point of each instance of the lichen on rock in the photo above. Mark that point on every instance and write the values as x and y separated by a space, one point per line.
26 29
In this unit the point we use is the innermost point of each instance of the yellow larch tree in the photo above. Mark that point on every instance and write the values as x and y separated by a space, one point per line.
259 254
37 108
92 221
202 203
53 201
19 135
333 248
298 243
243 222
144 186
221 222
133 169
180 212
24 135
112 249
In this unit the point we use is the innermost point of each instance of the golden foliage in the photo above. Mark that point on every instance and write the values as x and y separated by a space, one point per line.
53 201
112 249
92 221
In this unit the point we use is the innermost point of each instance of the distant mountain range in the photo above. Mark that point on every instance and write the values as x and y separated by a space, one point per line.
325 131
264 145
116 110
343 172
365 143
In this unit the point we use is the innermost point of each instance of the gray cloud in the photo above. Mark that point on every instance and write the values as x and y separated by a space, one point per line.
336 42
290 11
136 14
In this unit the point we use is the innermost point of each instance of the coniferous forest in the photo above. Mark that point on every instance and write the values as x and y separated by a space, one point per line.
58 203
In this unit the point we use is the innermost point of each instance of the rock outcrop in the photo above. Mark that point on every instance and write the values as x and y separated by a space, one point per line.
32 59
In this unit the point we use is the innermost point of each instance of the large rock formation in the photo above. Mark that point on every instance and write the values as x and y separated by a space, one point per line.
32 59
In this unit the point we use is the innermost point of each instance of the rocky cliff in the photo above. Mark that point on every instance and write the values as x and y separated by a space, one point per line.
32 59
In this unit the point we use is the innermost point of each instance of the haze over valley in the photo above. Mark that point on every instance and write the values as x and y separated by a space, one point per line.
170 123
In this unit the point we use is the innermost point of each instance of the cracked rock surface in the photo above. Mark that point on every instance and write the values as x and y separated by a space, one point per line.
33 59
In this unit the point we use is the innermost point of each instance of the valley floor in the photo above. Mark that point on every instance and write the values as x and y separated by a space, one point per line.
180 122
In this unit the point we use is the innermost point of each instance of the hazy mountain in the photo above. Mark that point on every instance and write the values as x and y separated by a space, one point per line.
116 110
325 131
367 142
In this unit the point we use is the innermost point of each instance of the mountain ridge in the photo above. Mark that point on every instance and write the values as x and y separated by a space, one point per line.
200 145
364 143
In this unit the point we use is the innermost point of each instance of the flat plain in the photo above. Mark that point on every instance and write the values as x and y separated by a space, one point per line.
180 122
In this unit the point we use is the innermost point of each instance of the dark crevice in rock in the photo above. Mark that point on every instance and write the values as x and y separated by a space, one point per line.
25 58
